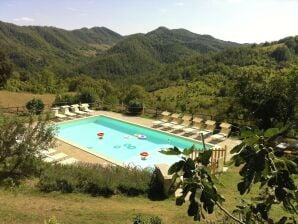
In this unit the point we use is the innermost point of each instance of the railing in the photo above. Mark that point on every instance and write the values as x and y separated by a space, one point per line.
122 108
217 153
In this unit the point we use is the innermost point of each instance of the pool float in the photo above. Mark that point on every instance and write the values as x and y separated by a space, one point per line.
129 146
142 137
100 135
144 155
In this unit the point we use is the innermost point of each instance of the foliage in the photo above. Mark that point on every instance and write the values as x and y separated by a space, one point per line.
87 95
281 54
65 99
136 92
135 106
35 106
193 183
261 163
151 220
20 144
263 103
5 69
95 180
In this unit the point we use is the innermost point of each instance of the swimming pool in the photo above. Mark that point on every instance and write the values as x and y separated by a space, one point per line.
121 143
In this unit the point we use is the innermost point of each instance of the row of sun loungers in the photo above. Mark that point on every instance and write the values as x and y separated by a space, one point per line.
72 111
187 125
52 156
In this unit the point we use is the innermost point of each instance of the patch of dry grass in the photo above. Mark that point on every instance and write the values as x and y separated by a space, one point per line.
19 99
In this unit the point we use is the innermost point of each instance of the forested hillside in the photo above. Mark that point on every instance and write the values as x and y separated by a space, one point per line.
175 69
146 53
98 51
35 48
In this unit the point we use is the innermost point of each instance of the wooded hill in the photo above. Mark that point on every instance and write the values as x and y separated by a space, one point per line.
100 52
34 48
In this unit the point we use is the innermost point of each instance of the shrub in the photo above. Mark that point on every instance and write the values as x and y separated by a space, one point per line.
138 219
135 106
95 180
88 95
35 106
64 99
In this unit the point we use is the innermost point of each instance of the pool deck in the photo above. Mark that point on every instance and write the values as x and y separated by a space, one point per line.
84 156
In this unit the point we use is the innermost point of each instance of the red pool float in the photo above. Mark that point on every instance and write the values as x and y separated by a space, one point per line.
144 155
100 135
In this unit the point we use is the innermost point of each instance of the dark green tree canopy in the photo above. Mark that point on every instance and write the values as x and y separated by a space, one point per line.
5 69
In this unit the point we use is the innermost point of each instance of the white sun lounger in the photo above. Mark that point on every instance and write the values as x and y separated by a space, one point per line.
165 118
47 152
85 107
175 120
210 127
56 113
196 126
68 161
225 130
67 112
75 109
185 123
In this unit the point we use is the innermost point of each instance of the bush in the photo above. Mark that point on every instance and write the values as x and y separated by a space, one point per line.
135 106
65 99
151 220
95 180
35 106
88 95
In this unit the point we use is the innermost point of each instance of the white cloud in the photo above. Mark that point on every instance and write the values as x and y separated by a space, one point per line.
179 3
72 9
24 19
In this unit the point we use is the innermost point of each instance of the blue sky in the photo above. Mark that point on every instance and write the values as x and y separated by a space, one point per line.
235 20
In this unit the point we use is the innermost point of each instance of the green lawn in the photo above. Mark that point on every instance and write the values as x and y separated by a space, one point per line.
28 205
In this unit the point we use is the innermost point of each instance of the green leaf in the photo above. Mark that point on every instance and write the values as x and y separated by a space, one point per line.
171 151
180 200
187 152
176 167
282 220
280 193
193 208
271 132
190 164
205 156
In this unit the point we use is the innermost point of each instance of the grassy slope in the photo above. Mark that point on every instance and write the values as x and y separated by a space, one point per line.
29 205
14 99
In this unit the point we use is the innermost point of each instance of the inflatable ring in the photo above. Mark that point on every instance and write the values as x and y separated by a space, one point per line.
144 155
142 137
131 147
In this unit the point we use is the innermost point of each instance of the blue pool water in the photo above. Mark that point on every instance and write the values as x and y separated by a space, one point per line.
120 143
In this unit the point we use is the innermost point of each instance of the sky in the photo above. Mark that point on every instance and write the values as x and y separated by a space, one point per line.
242 21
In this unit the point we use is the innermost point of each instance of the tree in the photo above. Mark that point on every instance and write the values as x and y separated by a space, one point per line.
20 148
261 163
281 54
135 106
35 106
136 92
5 69
267 100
